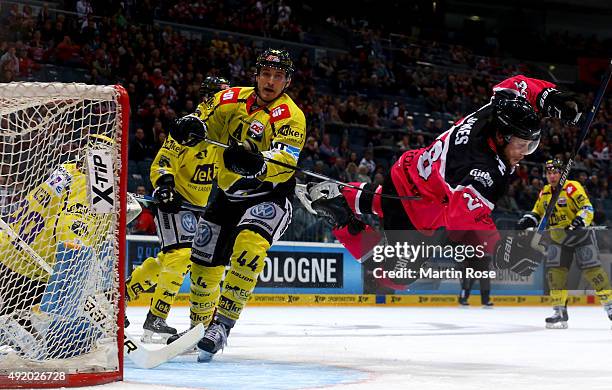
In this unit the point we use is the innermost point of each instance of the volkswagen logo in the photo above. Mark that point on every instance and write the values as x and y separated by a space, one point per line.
264 211
188 221
202 238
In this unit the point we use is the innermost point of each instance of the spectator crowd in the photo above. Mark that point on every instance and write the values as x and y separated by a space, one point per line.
364 106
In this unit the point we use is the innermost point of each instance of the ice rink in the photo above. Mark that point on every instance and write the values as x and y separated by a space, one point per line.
392 348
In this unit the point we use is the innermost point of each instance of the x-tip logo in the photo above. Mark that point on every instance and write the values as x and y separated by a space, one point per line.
101 180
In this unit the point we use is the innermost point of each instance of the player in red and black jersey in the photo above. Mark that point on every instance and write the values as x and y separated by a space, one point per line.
458 178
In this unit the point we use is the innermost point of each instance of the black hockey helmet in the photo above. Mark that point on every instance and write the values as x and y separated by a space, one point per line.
274 58
212 85
554 165
515 117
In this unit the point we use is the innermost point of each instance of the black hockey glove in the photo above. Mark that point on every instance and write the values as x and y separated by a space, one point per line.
169 201
189 130
527 221
337 211
244 159
562 105
514 252
576 233
577 223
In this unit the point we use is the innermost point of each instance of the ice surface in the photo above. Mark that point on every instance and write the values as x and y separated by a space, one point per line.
393 348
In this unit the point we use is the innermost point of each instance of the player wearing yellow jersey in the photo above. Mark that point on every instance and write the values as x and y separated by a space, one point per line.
179 173
52 230
253 209
569 238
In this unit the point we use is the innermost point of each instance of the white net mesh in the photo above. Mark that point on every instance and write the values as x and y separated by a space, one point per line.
56 251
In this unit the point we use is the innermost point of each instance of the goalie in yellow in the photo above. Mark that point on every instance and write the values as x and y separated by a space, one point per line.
570 239
253 208
179 173
51 229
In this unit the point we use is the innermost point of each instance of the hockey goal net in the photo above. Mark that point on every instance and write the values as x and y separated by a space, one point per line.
63 166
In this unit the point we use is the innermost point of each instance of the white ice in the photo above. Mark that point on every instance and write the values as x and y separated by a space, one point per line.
393 348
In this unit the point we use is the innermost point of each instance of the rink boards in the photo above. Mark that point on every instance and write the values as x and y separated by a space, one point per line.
323 274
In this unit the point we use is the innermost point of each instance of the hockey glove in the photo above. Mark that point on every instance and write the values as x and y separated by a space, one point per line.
576 233
244 159
577 223
527 221
515 253
562 105
169 201
189 130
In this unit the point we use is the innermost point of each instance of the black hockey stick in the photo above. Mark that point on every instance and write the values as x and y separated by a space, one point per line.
584 131
149 199
318 175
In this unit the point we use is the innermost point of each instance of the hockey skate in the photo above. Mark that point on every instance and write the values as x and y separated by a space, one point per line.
485 299
156 330
559 318
214 340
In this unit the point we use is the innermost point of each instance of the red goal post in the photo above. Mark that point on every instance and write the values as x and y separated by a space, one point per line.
63 188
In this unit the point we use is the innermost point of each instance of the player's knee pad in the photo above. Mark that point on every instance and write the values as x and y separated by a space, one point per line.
143 277
204 292
600 282
175 265
247 262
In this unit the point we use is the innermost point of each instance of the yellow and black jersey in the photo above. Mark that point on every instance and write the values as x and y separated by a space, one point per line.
55 211
573 201
278 130
193 168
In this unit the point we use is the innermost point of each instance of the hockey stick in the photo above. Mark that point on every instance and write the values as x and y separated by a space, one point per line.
316 175
26 248
583 133
149 199
135 350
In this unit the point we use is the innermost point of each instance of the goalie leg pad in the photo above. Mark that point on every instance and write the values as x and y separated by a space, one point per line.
557 280
175 265
67 287
247 262
204 292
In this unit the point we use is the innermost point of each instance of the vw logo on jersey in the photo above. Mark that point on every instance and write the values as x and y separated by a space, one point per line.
204 234
551 252
188 221
264 211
